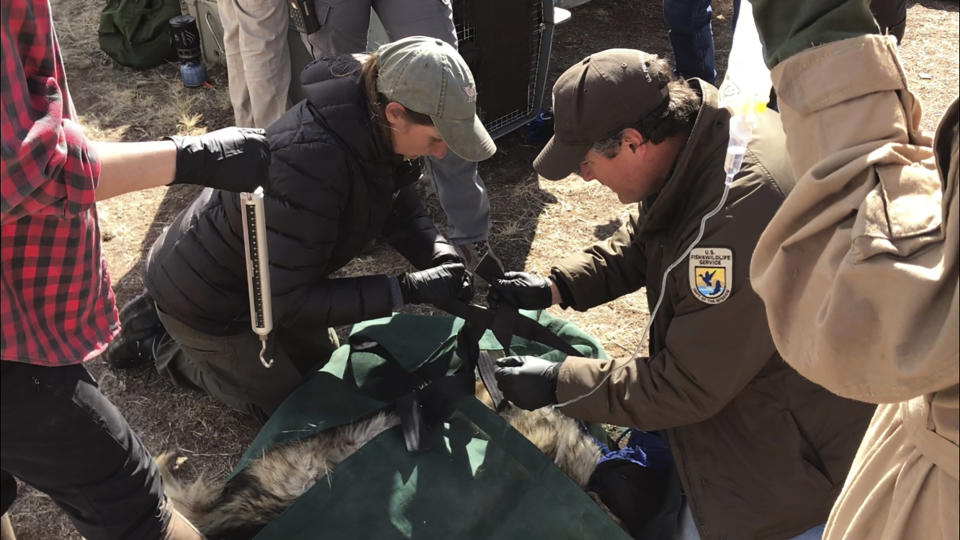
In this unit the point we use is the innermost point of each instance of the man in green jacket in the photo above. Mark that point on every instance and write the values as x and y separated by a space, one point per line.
760 451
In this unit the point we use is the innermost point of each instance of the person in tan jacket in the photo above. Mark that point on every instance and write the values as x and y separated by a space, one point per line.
760 451
859 268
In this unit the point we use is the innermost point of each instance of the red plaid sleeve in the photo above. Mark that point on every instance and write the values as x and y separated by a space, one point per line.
48 167
56 305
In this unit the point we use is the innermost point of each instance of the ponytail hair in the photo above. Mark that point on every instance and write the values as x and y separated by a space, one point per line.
377 102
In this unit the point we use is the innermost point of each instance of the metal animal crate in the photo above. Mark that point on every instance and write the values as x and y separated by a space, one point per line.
514 109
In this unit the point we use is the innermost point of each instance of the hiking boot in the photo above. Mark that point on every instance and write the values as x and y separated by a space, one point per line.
139 328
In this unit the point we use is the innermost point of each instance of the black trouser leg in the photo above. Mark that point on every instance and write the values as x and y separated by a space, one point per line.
61 435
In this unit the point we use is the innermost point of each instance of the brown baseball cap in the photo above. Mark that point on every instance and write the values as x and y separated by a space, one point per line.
604 92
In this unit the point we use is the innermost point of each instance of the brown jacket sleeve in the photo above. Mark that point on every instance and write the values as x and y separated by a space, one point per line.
859 268
710 352
690 380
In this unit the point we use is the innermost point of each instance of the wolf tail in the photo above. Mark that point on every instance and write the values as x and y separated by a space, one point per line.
267 486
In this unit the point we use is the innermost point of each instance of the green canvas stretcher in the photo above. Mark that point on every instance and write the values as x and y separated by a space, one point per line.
479 478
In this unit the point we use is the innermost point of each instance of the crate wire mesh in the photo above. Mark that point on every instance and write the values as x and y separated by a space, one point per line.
541 15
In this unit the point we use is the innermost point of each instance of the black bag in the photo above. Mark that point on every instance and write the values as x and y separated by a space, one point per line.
136 33
639 483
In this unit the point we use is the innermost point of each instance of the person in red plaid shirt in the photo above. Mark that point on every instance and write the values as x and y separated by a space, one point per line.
59 433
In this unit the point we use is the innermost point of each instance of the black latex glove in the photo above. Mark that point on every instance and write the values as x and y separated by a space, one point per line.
529 382
437 286
233 159
522 290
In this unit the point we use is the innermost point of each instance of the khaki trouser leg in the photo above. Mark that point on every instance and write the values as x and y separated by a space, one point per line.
236 83
266 57
258 59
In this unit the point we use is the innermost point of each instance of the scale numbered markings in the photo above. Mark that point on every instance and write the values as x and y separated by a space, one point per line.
258 269
255 265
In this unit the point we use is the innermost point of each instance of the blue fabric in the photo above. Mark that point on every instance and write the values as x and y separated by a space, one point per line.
462 196
645 448
814 533
691 37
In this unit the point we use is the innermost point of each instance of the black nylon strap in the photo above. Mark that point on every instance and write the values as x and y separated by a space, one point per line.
504 321
508 321
486 364
426 407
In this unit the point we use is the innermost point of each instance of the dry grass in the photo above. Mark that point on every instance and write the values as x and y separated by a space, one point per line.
535 222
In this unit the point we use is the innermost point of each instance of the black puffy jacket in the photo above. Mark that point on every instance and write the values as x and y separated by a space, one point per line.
333 187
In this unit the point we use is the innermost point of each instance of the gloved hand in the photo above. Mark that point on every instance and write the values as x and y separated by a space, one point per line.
437 286
523 290
233 159
529 382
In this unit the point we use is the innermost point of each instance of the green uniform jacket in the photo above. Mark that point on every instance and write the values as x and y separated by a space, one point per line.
761 451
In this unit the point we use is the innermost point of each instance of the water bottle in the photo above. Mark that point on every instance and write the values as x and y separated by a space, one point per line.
185 39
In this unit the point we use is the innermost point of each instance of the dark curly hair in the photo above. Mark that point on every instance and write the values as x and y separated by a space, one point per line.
675 115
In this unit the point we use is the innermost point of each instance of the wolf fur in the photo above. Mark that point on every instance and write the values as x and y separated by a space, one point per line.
244 504
556 435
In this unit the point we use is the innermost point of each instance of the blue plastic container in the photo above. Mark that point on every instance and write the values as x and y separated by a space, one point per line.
194 74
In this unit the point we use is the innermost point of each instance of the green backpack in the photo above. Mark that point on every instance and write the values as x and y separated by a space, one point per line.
136 33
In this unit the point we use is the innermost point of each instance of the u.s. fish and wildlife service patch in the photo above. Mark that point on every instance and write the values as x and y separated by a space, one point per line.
711 274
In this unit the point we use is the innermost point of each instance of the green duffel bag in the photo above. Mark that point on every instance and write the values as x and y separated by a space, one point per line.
136 33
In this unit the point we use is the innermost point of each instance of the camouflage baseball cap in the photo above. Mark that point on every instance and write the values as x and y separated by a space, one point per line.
428 76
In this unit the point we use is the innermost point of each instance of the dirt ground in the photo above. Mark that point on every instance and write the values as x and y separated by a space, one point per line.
535 222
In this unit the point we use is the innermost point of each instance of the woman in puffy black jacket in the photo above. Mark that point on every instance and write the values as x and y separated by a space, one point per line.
343 164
